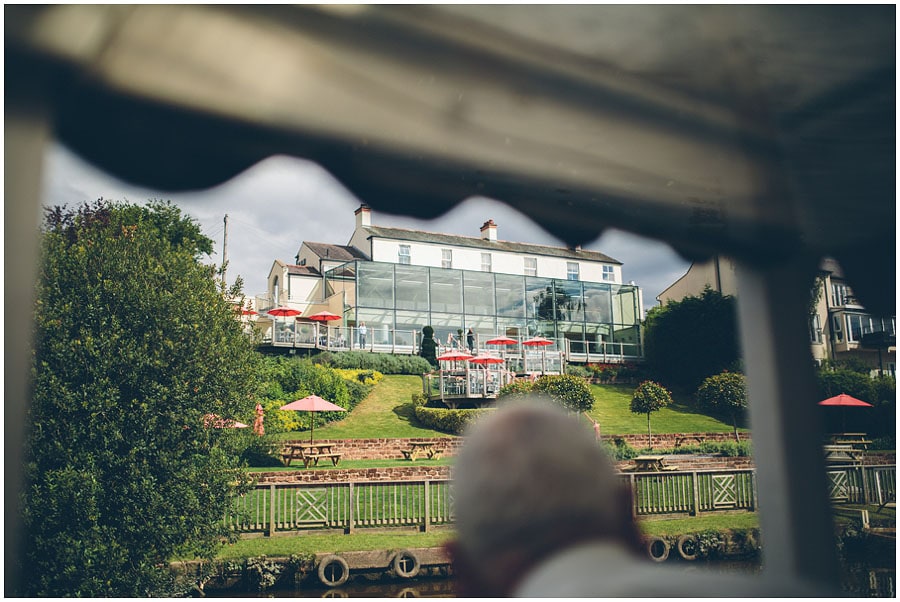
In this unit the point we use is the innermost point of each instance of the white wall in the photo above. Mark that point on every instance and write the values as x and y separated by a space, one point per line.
502 262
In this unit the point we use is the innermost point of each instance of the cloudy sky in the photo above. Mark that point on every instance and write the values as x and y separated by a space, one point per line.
283 201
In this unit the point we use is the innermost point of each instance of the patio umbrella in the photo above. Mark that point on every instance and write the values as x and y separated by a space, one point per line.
312 403
501 341
454 355
486 358
845 401
246 311
283 312
324 316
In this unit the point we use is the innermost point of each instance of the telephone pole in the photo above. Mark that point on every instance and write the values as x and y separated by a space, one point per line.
225 252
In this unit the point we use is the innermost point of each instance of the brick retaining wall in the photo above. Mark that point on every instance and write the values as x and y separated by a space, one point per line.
668 440
386 449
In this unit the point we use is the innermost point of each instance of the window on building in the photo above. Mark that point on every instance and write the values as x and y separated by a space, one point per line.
608 275
572 270
403 254
531 266
485 262
447 258
837 331
815 329
840 294
857 326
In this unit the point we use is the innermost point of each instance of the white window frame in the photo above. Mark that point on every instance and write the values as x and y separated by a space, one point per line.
573 272
447 259
609 274
486 264
815 329
403 257
530 266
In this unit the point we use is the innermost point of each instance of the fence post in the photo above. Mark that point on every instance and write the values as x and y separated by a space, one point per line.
351 508
865 484
753 483
427 520
272 510
634 500
695 489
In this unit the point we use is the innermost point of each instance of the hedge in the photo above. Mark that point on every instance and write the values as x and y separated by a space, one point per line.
385 363
453 422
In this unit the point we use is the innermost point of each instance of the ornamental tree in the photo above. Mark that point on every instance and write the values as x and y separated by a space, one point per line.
567 390
134 344
725 392
428 349
650 397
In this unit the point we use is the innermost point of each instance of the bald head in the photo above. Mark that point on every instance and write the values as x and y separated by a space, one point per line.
530 479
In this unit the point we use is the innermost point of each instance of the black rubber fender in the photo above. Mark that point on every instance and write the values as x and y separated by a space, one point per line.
657 549
333 570
406 564
688 547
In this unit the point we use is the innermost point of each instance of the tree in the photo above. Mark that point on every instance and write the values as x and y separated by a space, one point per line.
649 397
686 341
725 392
429 347
134 345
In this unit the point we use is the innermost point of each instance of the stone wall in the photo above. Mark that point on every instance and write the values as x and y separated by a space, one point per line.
669 440
386 449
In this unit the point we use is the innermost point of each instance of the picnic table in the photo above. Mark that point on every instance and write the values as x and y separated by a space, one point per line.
420 448
854 439
651 464
309 453
840 453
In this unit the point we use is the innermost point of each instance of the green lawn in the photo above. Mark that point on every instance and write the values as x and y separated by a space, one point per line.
611 410
388 413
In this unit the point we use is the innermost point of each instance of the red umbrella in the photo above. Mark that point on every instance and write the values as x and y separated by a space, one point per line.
283 312
537 342
324 316
486 358
248 312
501 341
312 403
844 400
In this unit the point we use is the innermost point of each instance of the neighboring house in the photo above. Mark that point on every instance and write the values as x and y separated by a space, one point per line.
397 281
839 329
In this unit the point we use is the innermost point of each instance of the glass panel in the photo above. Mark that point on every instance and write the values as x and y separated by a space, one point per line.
478 293
569 301
512 327
412 287
342 279
409 326
446 291
624 305
574 331
376 285
379 323
444 324
628 334
510 295
597 303
541 311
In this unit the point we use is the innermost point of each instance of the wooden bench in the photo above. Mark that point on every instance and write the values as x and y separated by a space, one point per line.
698 438
314 458
652 464
418 449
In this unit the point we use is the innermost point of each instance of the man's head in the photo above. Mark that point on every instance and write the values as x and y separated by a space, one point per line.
531 480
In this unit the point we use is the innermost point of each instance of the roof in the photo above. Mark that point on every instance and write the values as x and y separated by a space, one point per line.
302 270
335 252
498 245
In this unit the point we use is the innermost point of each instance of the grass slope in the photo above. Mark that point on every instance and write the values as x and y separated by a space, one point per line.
611 410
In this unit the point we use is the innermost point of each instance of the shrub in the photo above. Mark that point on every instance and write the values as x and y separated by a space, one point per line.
650 397
571 392
725 392
428 349
579 371
448 421
385 363
419 399
365 376
517 389
619 449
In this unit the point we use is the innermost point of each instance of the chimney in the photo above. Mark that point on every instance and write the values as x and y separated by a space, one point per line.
489 230
363 216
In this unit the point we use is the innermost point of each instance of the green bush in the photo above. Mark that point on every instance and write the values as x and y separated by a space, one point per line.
385 363
725 393
419 399
883 443
571 392
580 371
619 449
448 421
517 389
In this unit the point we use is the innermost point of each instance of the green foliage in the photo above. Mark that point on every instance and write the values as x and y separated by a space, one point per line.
579 371
686 341
649 397
571 392
725 392
134 344
428 350
448 421
619 449
419 399
382 362
517 389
